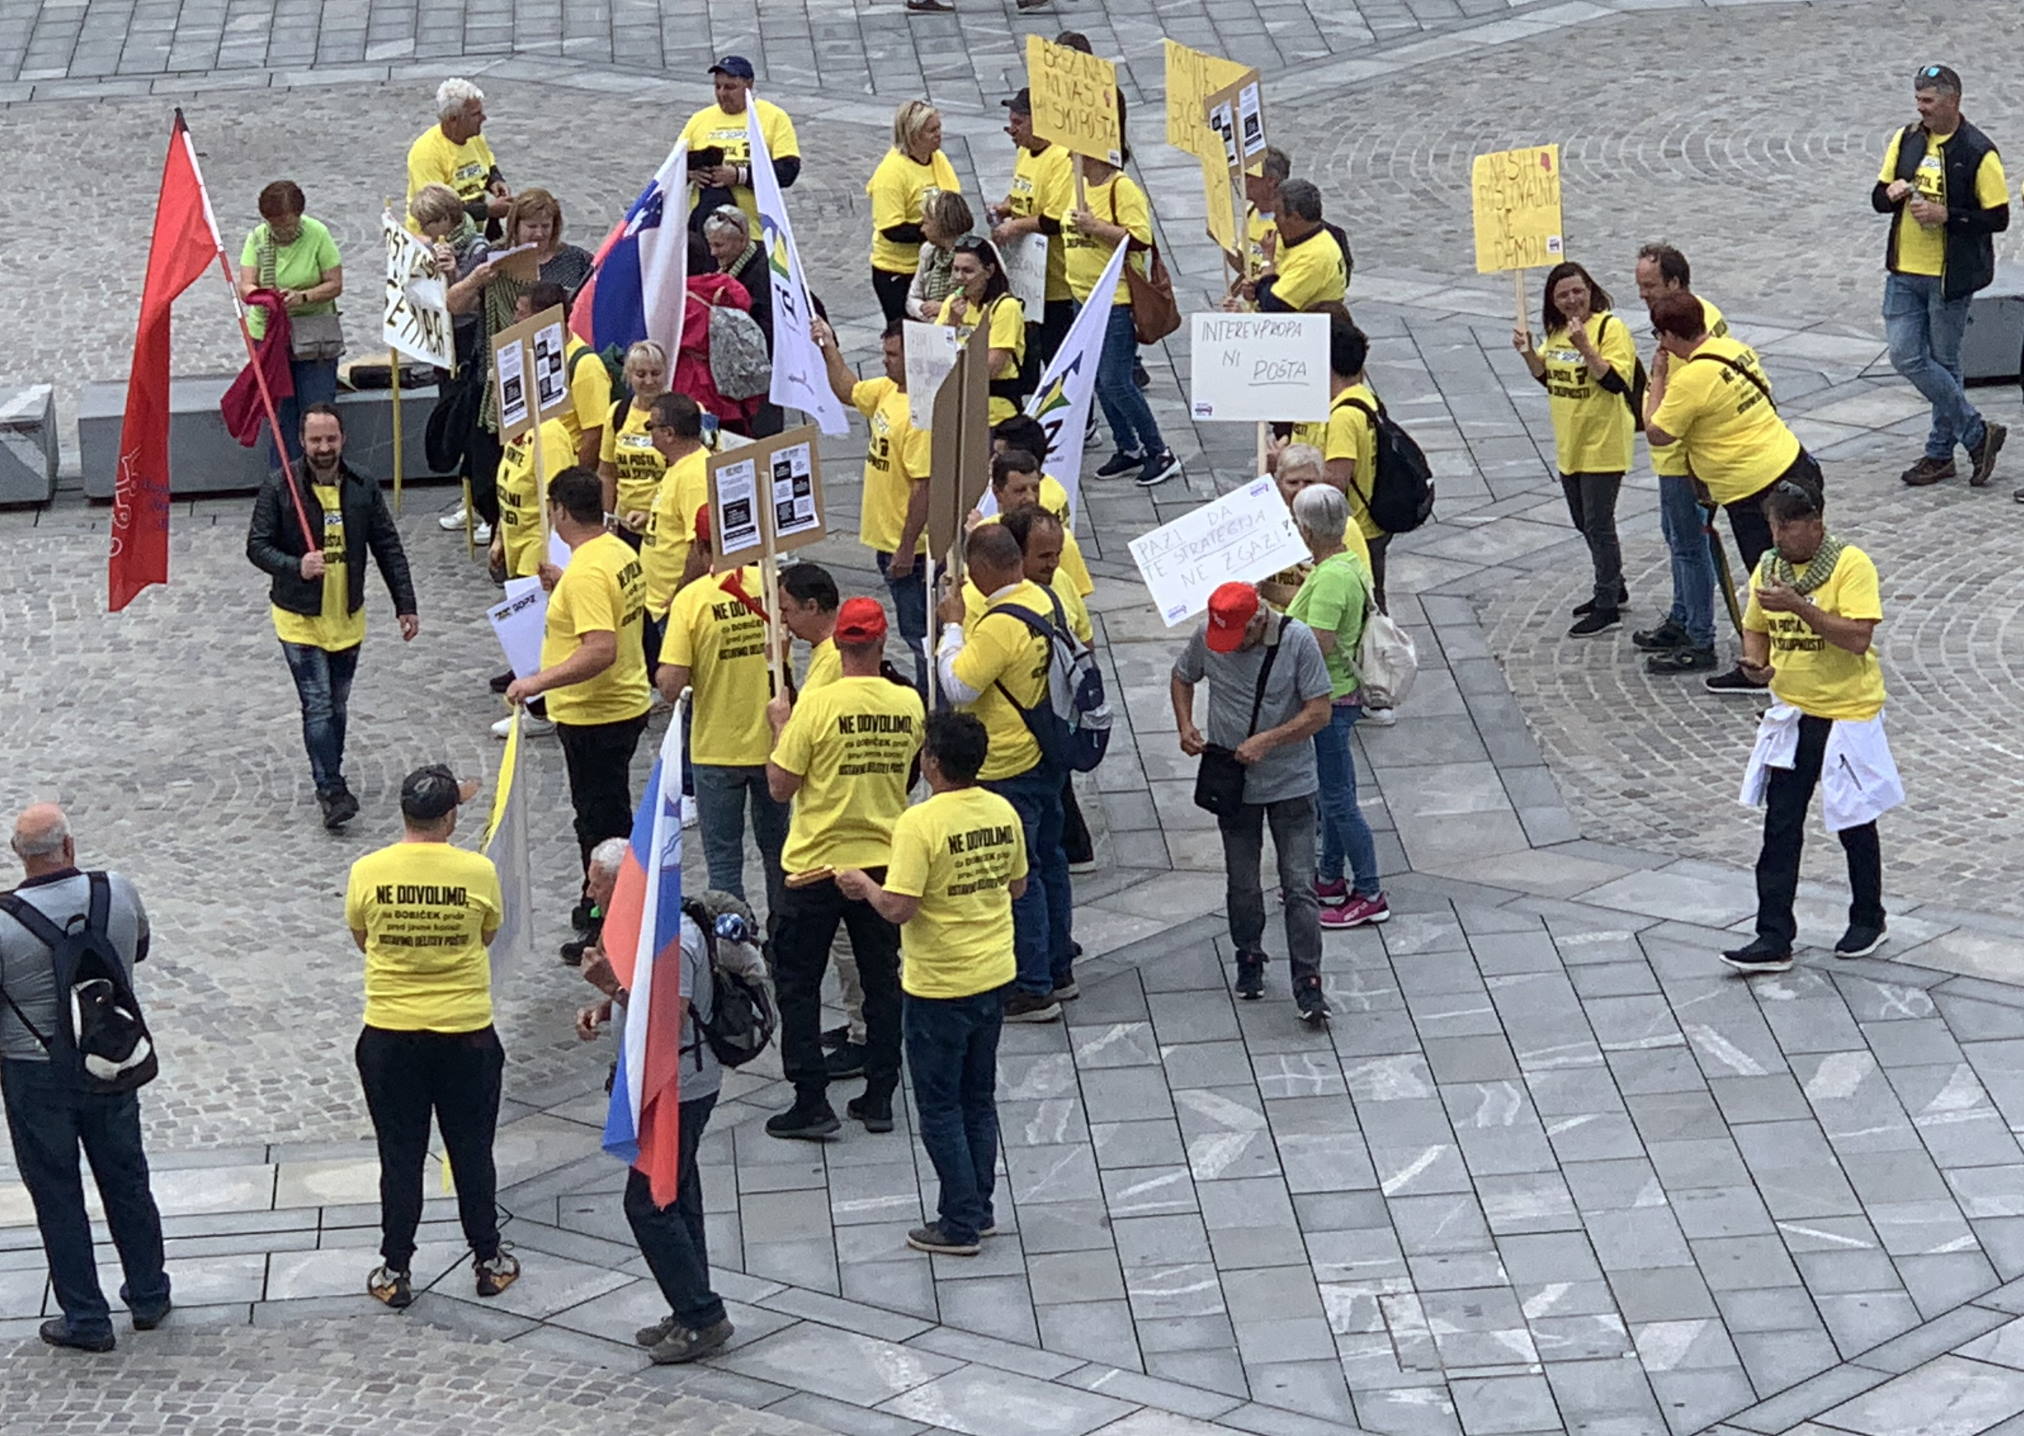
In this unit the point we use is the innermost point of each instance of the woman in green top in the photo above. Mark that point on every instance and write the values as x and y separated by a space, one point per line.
295 255
1333 601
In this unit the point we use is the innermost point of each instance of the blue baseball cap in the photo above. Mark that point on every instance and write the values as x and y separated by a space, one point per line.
736 66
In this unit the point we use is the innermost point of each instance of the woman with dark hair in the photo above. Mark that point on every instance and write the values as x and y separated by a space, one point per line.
294 256
1588 365
983 295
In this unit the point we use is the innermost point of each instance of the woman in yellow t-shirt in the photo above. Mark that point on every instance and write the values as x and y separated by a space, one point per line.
1115 212
628 464
1587 365
984 296
913 169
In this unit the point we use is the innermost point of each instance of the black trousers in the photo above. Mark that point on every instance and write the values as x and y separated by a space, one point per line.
1591 504
599 758
1786 798
1746 516
455 1075
672 1238
891 290
1043 340
808 920
1378 547
481 467
1076 842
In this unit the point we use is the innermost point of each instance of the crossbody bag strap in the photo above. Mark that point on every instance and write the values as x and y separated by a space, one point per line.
1264 674
1370 417
1761 386
44 931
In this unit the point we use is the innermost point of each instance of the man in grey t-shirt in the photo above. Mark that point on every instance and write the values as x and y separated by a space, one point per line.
49 1113
1268 730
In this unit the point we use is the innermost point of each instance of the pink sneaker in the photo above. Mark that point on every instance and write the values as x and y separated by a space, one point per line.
1332 894
1356 912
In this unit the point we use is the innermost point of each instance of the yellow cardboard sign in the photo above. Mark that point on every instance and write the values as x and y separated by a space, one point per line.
1221 203
1516 196
1074 100
1192 76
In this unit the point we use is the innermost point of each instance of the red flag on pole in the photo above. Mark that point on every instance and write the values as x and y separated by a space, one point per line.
185 245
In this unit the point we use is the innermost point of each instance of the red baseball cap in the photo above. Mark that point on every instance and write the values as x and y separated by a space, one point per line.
703 523
1231 609
860 620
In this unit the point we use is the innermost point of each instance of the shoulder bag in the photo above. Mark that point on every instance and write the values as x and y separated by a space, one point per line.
1154 312
312 338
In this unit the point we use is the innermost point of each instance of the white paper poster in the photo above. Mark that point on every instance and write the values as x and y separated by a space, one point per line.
1026 270
738 505
794 511
550 382
1270 368
1244 536
931 354
416 318
519 621
512 386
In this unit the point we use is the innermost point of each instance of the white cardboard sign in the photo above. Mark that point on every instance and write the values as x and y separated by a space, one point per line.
519 620
1244 536
1025 259
1259 368
931 354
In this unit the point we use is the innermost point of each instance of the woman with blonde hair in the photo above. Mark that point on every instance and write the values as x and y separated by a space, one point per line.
629 466
913 170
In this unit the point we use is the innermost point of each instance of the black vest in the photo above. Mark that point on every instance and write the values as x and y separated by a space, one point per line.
1970 261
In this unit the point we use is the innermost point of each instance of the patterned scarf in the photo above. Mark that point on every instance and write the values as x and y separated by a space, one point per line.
938 282
1774 568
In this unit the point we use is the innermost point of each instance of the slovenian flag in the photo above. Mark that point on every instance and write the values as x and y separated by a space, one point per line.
642 274
643 939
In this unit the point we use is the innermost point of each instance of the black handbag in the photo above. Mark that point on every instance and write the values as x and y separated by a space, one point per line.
1219 782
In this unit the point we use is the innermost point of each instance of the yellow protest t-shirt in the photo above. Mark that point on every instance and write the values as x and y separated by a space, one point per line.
589 390
427 911
671 527
1806 670
722 642
851 742
957 852
432 159
1003 650
519 506
1257 228
714 127
1669 461
1735 440
1349 434
602 591
899 190
1071 579
897 458
1054 498
1921 248
1044 184
1118 200
1008 331
635 462
825 666
1311 271
335 628
1593 430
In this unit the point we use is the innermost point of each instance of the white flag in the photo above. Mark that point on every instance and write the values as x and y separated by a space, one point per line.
800 373
1061 400
416 319
506 845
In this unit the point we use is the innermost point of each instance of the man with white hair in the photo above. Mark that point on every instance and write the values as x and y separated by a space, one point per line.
49 1112
600 880
452 152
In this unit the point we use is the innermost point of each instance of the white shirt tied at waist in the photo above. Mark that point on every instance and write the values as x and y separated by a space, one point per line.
1858 779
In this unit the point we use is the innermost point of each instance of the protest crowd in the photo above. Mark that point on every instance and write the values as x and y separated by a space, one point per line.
905 763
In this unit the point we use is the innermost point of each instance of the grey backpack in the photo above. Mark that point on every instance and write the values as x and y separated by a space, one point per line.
738 361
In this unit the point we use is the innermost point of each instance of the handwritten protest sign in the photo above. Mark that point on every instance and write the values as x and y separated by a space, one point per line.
1074 100
931 354
1242 537
1268 368
1516 197
416 318
1192 76
1025 259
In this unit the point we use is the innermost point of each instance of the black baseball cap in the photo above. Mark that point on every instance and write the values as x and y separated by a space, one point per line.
1937 77
1021 103
736 66
430 793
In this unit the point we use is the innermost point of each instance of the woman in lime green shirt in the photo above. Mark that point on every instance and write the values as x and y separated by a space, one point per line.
294 254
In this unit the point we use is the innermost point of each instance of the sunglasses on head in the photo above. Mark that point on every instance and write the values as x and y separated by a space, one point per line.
971 244
1798 491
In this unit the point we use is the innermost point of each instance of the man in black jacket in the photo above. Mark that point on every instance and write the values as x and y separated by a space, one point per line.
318 593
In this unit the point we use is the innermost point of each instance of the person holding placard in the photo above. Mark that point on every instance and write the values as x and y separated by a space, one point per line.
668 549
1586 364
1043 190
518 544
984 296
590 407
722 132
1044 540
1306 267
912 169
1261 207
629 463
1347 442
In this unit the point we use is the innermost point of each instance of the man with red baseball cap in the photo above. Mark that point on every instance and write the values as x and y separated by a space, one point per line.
1268 694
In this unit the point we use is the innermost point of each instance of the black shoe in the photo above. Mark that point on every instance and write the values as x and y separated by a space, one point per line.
804 1121
1312 1002
1122 462
1929 471
845 1061
572 951
341 808
1682 660
682 1345
1859 941
1735 681
390 1286
1584 609
1032 1007
500 682
876 1116
1600 620
931 1238
148 1321
924 7
1658 640
836 1036
1250 975
579 916
1158 469
1984 454
1067 991
56 1332
1761 955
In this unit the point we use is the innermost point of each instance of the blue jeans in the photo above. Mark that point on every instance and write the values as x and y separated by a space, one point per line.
1124 406
952 1049
1925 332
721 795
1344 833
1042 915
1681 521
323 683
315 383
910 610
50 1116
672 1238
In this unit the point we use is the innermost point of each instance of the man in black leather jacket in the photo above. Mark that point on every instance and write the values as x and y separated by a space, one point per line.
318 593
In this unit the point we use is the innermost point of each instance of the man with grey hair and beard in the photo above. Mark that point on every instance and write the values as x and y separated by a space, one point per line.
49 1113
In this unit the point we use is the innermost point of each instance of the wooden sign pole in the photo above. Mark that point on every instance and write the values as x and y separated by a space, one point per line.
1081 194
928 578
394 367
1518 300
769 591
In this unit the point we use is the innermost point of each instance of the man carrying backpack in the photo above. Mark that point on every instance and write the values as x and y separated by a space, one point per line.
54 1105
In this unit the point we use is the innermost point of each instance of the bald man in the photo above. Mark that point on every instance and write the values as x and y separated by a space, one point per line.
50 1114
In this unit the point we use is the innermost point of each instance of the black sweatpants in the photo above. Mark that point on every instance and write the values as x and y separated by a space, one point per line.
481 467
598 757
808 920
891 290
455 1075
1786 798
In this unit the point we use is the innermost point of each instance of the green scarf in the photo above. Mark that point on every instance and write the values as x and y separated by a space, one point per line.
1774 568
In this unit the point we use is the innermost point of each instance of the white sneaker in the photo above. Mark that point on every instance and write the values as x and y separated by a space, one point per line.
688 810
450 522
530 727
482 535
1381 717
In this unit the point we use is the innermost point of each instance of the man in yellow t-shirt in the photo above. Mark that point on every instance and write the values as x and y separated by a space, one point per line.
1942 183
593 662
1023 431
318 594
958 864
452 152
1306 267
999 671
844 756
1261 211
1043 190
668 550
725 127
1810 632
423 913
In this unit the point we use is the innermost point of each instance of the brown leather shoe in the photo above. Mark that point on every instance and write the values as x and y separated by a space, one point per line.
1928 471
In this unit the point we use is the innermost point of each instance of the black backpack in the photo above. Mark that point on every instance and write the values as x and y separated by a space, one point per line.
102 1023
1401 494
1640 381
743 1016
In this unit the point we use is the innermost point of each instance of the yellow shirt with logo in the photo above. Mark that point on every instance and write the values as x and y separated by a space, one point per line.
1044 185
1922 248
671 527
1593 429
1349 434
602 591
519 505
465 168
1004 650
1072 607
825 666
1054 498
714 127
957 853
426 910
1669 461
722 643
1806 670
899 190
1118 200
1008 331
897 458
635 461
851 742
1734 438
334 629
589 391
1311 272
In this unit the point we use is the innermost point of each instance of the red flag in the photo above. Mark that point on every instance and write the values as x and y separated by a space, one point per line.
185 244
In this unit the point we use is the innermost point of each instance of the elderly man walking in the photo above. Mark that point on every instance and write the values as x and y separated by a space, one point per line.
50 1114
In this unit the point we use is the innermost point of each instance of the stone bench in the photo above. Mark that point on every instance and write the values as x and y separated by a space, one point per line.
27 445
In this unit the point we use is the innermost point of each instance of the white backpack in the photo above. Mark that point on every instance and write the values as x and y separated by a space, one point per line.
1386 659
